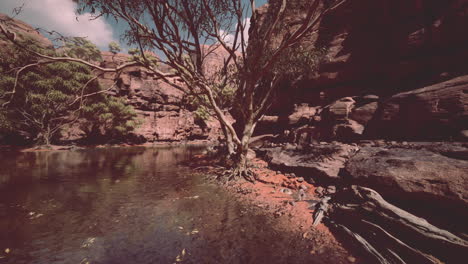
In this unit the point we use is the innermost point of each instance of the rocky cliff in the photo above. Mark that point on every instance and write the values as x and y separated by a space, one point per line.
23 30
393 69
161 108
394 72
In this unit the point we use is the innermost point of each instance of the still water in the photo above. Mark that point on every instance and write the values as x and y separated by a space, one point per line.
129 205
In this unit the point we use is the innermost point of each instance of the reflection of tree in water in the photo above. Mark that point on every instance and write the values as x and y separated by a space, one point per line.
80 192
133 202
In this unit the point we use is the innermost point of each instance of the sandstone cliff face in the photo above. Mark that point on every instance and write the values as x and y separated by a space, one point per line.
410 56
23 30
160 107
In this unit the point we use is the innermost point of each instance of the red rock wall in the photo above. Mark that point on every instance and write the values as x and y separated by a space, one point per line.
160 107
384 48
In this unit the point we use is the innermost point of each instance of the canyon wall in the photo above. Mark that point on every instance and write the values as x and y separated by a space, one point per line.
162 109
392 69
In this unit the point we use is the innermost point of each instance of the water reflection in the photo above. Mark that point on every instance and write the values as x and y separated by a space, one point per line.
128 205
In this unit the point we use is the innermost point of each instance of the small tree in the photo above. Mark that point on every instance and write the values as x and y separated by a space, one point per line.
48 97
114 47
81 48
108 117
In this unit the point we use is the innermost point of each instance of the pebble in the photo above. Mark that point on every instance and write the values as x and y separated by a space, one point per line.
351 259
300 179
302 195
286 191
303 187
379 143
331 189
319 191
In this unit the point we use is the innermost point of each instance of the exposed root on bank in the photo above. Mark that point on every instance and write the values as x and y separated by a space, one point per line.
388 234
237 174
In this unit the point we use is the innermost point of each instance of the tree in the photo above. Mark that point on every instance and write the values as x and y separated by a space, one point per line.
108 117
114 47
78 47
48 97
187 32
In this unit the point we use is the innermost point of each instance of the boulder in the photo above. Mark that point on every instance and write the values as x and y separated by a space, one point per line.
464 135
365 113
318 162
438 111
340 109
344 119
420 175
301 115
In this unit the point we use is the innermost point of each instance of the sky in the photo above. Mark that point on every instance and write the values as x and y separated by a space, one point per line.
59 15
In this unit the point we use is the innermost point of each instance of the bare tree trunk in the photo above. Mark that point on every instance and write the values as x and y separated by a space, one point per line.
230 146
44 137
47 136
241 160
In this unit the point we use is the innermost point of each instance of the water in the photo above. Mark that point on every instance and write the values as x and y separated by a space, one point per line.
129 205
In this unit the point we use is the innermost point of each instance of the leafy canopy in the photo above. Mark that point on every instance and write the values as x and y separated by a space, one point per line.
49 96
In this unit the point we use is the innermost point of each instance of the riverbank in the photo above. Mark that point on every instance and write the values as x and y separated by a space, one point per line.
414 176
101 146
290 202
144 205
414 180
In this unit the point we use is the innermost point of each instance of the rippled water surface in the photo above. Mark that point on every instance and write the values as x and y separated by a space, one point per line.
128 205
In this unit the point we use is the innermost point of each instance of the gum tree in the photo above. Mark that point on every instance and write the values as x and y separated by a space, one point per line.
187 32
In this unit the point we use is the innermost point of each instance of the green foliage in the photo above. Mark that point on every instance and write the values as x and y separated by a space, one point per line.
298 61
48 97
114 47
6 126
149 59
110 117
45 97
224 93
82 48
202 113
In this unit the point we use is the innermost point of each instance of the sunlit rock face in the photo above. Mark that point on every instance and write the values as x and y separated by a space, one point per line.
384 48
23 31
161 108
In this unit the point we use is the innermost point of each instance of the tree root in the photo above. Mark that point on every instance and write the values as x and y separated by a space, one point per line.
321 210
237 174
389 234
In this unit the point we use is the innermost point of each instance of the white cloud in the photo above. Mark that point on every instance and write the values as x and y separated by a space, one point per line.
229 38
59 15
